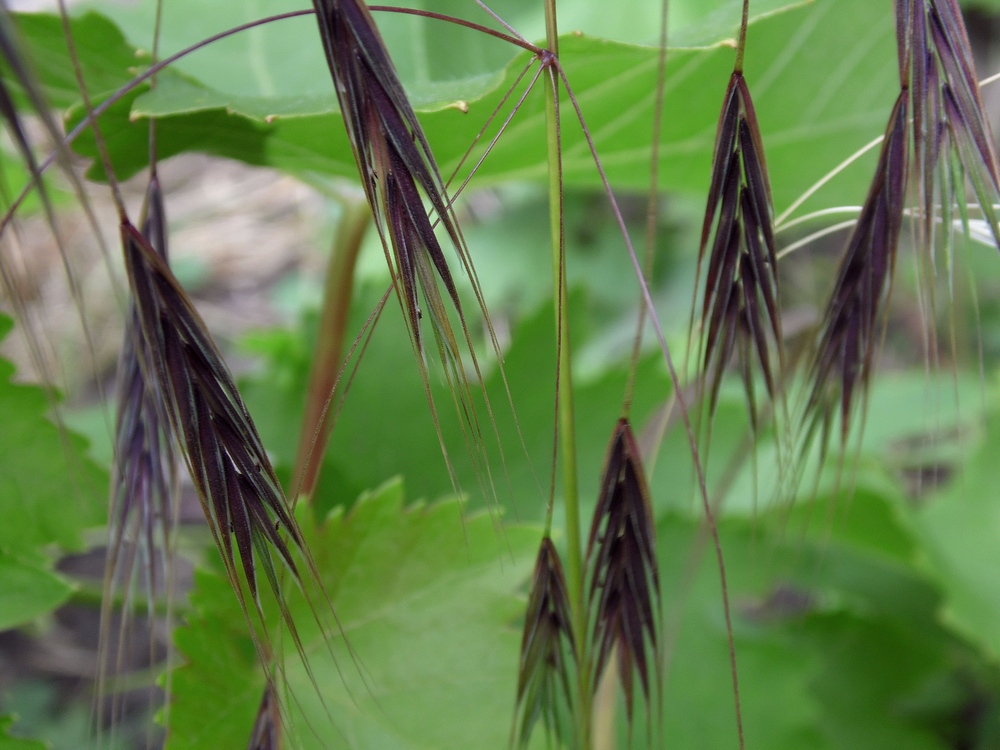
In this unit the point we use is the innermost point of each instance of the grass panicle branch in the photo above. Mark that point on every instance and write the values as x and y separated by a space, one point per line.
548 652
624 584
852 322
740 308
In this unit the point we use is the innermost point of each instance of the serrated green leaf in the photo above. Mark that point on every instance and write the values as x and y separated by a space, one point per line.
49 490
427 601
27 590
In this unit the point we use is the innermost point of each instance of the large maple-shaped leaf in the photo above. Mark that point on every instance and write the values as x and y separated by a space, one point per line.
822 90
429 606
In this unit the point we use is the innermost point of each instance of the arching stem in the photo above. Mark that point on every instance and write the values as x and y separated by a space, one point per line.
314 434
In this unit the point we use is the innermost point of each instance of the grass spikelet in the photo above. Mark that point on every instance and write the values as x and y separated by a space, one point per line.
394 160
623 600
266 734
398 171
547 651
852 322
144 477
230 470
740 309
952 137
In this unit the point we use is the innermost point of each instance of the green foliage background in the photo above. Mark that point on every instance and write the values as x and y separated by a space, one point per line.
867 613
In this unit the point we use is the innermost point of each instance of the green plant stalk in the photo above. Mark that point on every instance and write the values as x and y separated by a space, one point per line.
337 295
564 385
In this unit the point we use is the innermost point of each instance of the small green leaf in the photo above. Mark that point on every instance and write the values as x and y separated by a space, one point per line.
49 490
27 590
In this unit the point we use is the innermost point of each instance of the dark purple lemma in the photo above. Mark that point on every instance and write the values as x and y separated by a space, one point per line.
740 308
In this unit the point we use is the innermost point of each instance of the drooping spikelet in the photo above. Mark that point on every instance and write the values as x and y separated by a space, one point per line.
266 734
395 165
740 309
623 595
548 655
952 141
230 470
143 477
853 320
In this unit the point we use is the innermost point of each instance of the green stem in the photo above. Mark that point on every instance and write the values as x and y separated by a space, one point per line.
564 385
337 295
741 45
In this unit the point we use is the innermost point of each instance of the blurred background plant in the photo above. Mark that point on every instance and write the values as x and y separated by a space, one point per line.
866 612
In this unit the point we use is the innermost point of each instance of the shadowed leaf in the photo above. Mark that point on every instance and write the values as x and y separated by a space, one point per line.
853 319
740 308
547 651
624 591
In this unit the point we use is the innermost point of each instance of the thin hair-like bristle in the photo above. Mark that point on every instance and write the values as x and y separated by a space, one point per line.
623 600
740 307
852 323
548 653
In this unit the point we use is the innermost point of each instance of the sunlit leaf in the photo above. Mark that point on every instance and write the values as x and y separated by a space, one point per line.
429 608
